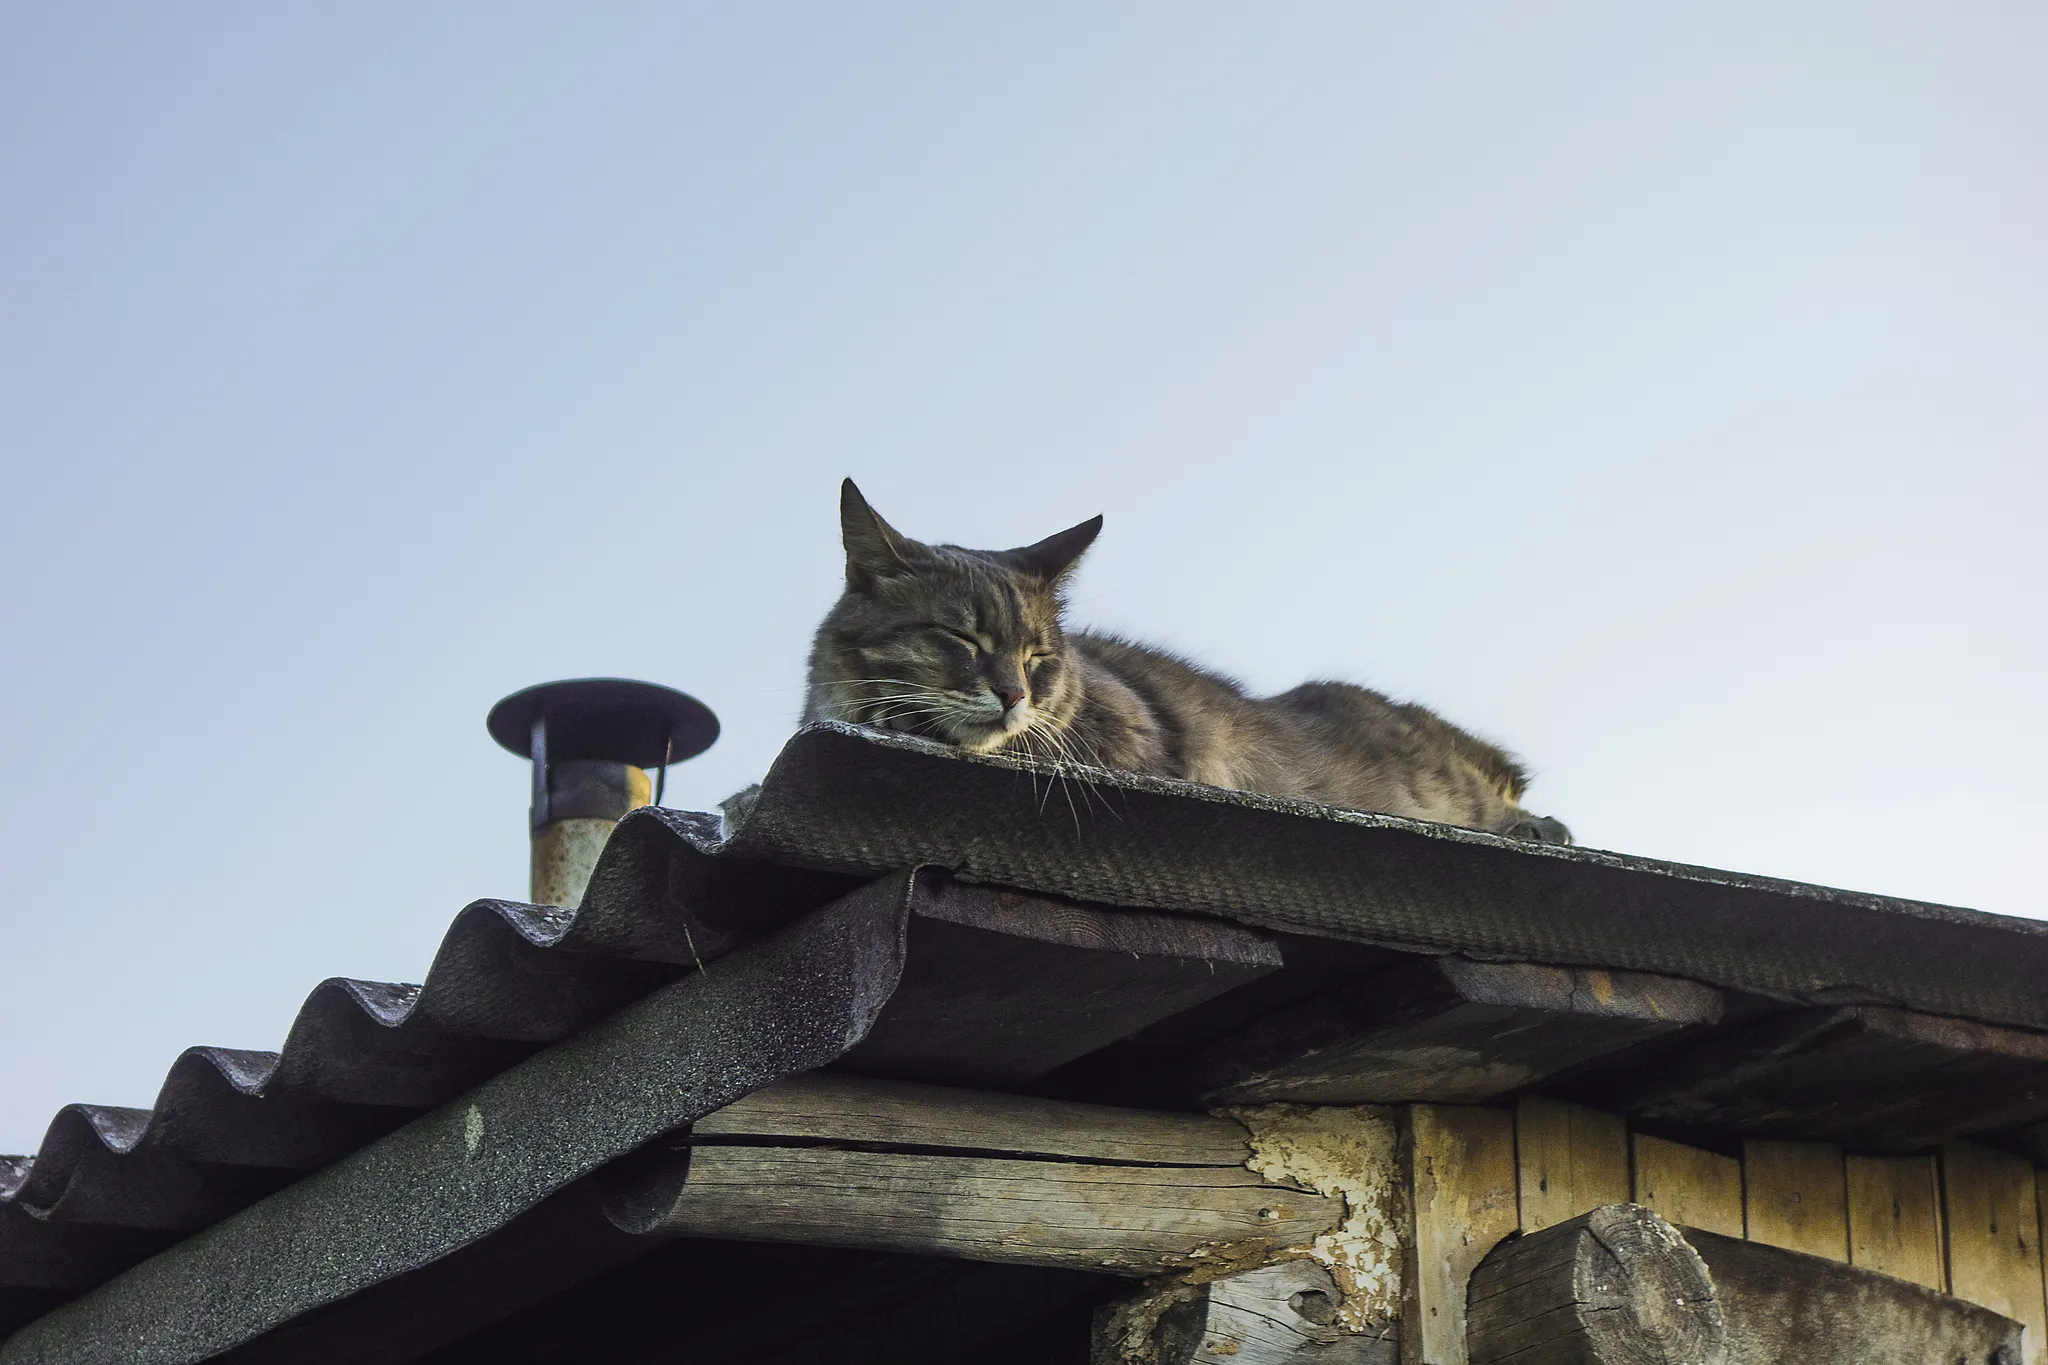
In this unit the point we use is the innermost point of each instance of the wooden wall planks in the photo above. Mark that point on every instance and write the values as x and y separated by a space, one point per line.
1795 1196
1688 1186
1569 1160
1970 1222
1895 1218
1994 1231
1463 1168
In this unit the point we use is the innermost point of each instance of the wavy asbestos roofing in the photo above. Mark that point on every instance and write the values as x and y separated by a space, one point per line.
840 807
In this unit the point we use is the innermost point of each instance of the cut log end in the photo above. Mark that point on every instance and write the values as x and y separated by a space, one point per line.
1283 1314
1617 1286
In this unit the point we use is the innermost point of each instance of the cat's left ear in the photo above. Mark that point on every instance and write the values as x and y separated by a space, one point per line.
1055 556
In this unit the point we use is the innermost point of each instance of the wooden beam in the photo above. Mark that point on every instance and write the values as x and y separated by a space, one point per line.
1569 1160
1613 1286
1883 1080
1794 1196
986 957
904 1114
1121 1220
1444 1030
1994 1229
1462 1164
1895 1218
1688 1186
1620 1286
1282 1314
848 1162
1783 1307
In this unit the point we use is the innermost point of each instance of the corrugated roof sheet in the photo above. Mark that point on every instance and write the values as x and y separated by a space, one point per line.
110 1186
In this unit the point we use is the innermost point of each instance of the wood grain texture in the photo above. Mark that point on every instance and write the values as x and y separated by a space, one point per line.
1121 1220
1895 1218
1994 1228
982 958
1884 1081
905 1114
1273 1315
1795 1196
1688 1186
1786 1308
1616 1286
1569 1160
1462 1171
1444 1030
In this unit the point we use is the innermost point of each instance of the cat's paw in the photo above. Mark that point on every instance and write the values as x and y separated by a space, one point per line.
1540 829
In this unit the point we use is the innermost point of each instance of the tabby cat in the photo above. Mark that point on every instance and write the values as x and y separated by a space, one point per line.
968 646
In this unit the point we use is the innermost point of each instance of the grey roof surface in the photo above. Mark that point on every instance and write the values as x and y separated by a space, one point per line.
1222 914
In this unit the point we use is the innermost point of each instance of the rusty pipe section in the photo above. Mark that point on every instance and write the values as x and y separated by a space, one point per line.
576 804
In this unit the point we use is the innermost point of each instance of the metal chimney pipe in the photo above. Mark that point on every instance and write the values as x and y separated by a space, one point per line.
591 742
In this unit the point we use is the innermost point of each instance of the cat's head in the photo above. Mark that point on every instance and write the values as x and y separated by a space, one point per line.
959 645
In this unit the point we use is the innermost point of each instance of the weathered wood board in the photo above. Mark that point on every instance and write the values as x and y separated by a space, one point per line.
1795 1196
1463 1167
1895 1218
904 1114
1687 1185
1993 1221
1447 1031
982 957
1569 1160
1879 1080
1121 1220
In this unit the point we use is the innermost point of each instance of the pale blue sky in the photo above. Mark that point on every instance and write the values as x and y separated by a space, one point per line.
1656 389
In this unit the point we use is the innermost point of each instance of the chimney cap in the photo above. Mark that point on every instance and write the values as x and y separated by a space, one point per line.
615 720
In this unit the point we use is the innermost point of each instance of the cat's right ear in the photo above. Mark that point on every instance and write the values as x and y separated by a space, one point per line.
874 550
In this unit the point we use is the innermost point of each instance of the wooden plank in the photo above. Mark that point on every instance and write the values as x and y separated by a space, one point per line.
1795 1196
983 958
1444 1030
1994 1229
905 1114
1895 1218
1462 1169
1569 1160
1883 1081
1785 1308
1120 1220
1688 1186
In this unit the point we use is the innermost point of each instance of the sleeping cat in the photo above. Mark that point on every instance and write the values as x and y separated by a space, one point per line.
968 646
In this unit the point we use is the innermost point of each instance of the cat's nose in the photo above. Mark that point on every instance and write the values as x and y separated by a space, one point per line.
1009 696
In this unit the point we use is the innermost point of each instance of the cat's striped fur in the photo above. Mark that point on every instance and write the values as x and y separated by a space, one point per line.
968 646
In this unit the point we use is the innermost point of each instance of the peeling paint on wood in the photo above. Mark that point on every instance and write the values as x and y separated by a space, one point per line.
1346 1152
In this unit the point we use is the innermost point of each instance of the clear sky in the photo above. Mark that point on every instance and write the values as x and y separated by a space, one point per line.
1655 389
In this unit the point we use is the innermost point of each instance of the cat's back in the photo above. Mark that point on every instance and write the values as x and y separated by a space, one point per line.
1187 721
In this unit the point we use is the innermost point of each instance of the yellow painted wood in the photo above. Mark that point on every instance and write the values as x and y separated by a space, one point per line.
1994 1237
1462 1169
1795 1195
1569 1160
1688 1186
1895 1218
